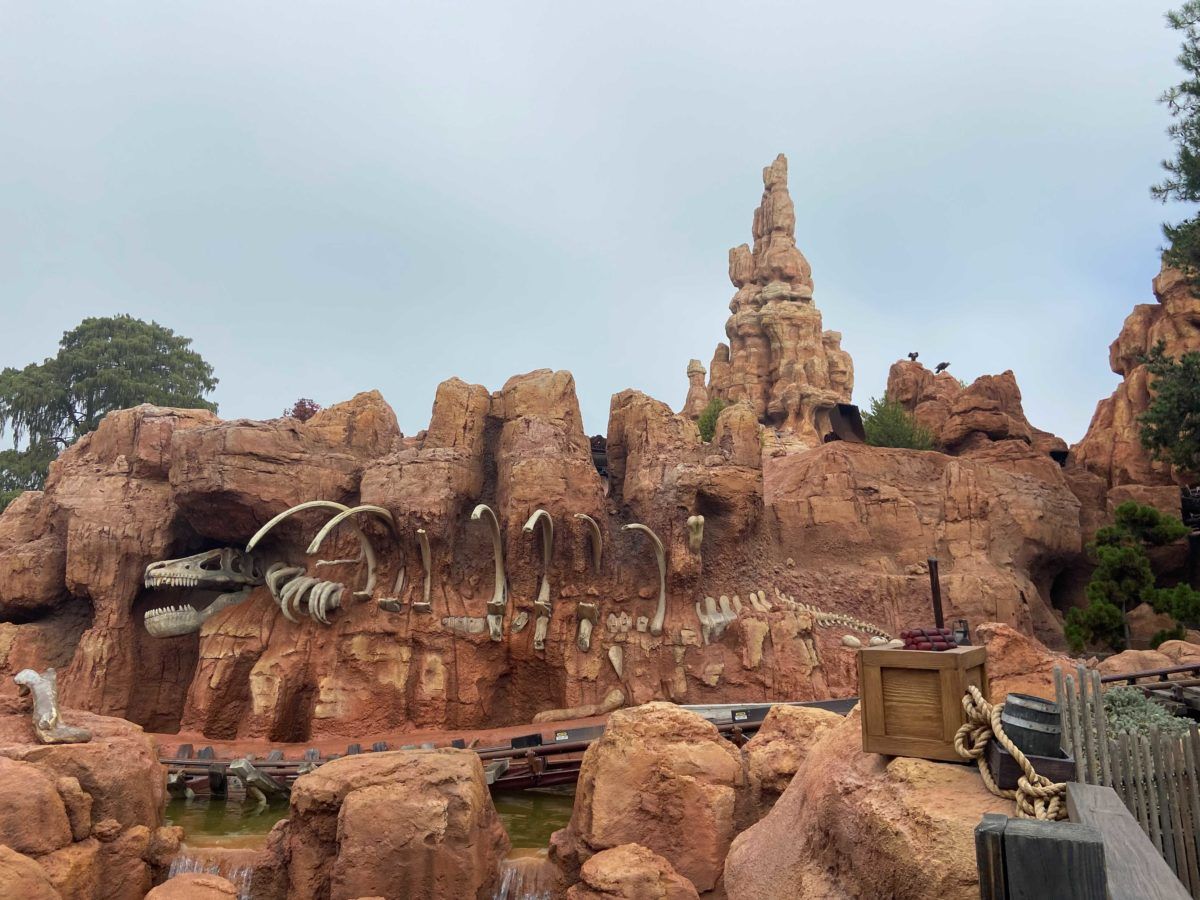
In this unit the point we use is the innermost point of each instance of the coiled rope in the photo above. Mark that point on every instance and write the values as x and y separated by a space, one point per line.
1036 796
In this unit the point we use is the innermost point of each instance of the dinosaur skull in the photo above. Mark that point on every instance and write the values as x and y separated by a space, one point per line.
230 571
213 570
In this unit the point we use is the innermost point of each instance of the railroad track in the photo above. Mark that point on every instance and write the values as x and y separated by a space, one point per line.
541 758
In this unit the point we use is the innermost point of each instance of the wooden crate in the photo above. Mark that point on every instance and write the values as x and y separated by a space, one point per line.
912 699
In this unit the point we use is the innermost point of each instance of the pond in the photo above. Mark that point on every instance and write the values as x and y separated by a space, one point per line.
529 816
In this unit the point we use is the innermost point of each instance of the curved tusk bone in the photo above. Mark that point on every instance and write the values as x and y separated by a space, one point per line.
656 625
427 565
547 549
597 538
499 602
368 550
543 598
300 507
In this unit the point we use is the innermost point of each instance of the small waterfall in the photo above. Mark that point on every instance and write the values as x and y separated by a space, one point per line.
237 873
528 878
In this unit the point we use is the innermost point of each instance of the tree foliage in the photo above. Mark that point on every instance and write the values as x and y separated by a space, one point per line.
889 424
102 364
1124 578
1170 426
707 423
303 409
1182 181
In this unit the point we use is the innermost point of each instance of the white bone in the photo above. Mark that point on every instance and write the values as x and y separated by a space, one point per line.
695 526
368 550
596 537
660 554
499 602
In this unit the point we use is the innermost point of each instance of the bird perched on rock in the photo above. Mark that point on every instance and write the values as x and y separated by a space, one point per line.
941 367
913 356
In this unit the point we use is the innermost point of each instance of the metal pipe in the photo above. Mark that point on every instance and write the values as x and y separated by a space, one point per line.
935 585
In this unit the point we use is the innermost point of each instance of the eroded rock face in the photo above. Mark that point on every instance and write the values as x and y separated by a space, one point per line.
416 823
1112 447
1018 663
854 824
88 816
780 747
779 359
662 777
194 886
630 872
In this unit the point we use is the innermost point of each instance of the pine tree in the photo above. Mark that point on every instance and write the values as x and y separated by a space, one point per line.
102 364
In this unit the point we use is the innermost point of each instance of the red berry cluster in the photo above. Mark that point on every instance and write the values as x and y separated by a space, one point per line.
928 639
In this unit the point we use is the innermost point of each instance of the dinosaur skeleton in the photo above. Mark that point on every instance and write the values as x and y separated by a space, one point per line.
235 573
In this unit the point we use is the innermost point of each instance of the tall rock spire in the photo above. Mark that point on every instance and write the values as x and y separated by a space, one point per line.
780 360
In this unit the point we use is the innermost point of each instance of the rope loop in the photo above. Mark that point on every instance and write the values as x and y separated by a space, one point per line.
1036 796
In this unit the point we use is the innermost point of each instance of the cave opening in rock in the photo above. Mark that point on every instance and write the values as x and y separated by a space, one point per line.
163 667
293 722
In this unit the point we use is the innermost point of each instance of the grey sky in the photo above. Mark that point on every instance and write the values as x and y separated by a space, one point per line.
335 197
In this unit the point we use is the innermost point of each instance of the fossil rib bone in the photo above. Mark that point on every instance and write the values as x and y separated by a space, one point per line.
543 598
368 550
695 526
660 613
499 602
425 604
596 537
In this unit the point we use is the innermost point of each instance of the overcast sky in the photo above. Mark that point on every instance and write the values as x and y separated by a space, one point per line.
335 197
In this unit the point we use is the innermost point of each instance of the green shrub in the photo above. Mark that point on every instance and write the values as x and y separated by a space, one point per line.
1128 709
707 423
1178 633
888 424
1097 623
1124 579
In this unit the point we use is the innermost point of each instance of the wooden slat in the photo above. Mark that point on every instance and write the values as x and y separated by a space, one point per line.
1076 730
1101 730
1152 815
1161 781
989 856
1134 868
1141 785
1089 741
1062 860
1064 710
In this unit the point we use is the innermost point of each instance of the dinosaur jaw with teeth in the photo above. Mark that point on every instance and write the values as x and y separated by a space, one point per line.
172 621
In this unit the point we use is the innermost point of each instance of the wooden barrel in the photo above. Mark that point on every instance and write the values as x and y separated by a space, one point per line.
1033 724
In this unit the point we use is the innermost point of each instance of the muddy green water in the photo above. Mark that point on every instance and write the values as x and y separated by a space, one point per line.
529 816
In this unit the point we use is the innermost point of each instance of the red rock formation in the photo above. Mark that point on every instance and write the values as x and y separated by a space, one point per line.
630 872
697 395
854 824
779 748
661 777
87 816
779 359
1112 447
409 823
194 886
